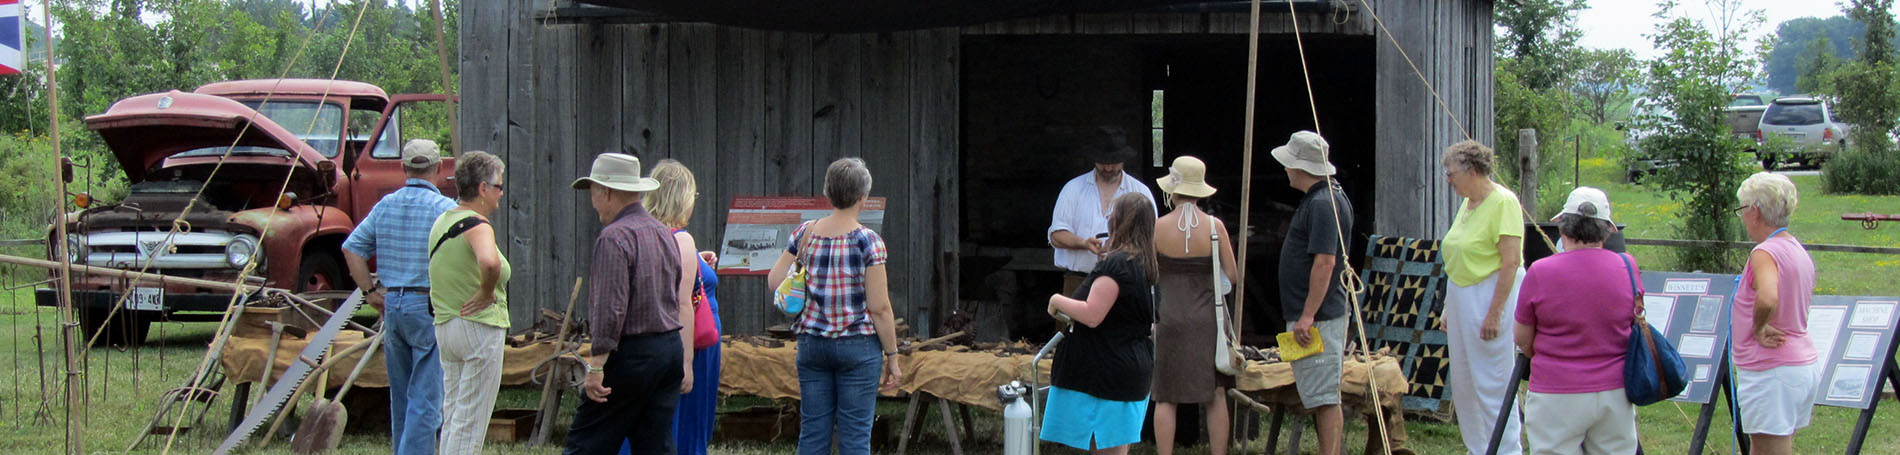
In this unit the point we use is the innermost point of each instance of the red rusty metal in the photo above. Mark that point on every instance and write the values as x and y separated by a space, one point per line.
1869 220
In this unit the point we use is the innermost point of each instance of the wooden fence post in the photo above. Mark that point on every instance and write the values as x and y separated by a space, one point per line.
1527 170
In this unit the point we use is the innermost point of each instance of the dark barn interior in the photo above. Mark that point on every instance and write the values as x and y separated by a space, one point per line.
1027 98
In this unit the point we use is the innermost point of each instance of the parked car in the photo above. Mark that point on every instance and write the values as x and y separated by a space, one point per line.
1744 113
1810 125
306 159
1642 163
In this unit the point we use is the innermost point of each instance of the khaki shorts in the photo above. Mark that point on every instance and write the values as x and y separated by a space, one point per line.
1317 376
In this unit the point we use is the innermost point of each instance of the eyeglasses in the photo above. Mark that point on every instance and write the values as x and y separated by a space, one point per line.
1738 210
497 186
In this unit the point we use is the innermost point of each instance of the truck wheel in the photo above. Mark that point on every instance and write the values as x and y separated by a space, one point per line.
319 272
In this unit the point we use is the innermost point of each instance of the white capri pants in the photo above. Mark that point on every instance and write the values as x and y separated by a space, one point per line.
1597 423
1480 370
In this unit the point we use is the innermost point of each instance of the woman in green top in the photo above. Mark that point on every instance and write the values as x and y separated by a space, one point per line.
469 293
1483 253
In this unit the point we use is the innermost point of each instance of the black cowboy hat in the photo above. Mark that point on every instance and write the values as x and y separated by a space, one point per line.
1106 144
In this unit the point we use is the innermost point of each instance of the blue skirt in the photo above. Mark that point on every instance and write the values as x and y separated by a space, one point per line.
1074 419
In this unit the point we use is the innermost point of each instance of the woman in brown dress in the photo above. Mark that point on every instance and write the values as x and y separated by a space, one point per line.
1185 333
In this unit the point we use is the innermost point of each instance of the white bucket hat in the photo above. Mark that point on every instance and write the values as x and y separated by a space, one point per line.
1595 197
1305 151
1187 177
617 171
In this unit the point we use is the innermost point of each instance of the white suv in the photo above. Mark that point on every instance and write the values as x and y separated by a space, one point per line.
1811 126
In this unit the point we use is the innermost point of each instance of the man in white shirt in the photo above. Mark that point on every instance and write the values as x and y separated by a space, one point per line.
1079 227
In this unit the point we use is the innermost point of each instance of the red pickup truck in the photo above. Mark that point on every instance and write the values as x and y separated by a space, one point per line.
282 170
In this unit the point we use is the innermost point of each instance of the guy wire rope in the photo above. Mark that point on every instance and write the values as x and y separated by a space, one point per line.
251 265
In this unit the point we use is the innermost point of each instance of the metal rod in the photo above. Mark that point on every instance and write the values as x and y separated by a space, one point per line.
1748 245
1518 373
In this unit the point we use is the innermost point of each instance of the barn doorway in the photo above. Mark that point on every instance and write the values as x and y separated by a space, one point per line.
1026 99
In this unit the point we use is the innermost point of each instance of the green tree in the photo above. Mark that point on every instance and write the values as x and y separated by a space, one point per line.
1691 82
1536 57
1817 68
1869 99
1603 80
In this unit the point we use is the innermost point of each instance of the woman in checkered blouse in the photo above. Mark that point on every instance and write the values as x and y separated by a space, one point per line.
846 334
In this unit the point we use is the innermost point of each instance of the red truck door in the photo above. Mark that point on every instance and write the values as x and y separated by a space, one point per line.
378 169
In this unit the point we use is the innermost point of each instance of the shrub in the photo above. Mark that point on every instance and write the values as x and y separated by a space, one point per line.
1860 172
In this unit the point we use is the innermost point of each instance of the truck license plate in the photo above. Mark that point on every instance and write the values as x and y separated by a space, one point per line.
146 299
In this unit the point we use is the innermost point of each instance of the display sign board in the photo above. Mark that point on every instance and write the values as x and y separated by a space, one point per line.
757 228
1692 310
1854 336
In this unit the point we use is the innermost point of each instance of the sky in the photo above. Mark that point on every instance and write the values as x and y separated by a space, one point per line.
1612 24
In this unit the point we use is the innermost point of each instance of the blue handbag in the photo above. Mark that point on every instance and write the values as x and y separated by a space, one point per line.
1652 370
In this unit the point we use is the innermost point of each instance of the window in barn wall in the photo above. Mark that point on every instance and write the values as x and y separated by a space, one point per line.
1155 107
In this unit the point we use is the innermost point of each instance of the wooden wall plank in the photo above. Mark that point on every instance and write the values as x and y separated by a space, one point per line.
742 160
935 137
837 93
788 113
886 131
693 128
523 248
566 256
645 96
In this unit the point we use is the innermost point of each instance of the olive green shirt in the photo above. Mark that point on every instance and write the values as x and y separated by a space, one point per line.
455 277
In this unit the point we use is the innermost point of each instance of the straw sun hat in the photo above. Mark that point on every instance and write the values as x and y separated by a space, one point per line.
1187 177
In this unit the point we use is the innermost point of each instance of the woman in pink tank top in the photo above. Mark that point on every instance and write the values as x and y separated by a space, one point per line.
1776 369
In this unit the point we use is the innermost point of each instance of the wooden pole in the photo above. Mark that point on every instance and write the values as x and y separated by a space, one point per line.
68 318
442 64
147 278
1246 172
551 393
1527 171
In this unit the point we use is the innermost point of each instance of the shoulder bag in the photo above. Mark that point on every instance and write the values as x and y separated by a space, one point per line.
1227 357
791 294
705 330
1652 370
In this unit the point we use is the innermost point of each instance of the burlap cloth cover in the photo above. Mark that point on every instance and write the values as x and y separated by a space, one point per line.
966 377
243 360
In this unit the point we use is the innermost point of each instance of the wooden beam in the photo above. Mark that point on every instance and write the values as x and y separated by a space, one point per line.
1748 245
151 278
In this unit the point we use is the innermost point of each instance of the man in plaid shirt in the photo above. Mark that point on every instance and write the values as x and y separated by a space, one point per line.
396 233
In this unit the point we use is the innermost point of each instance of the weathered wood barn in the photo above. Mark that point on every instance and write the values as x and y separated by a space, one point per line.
967 112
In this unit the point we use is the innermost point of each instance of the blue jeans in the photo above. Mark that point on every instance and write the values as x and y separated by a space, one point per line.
415 373
838 384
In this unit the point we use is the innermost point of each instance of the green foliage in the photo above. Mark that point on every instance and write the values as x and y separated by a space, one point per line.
1537 55
1602 80
1540 36
1817 68
26 173
1794 45
1869 94
1692 80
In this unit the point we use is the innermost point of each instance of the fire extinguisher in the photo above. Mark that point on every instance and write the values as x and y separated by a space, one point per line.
1017 439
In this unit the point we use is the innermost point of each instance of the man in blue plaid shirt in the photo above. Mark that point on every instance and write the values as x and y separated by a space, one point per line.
396 233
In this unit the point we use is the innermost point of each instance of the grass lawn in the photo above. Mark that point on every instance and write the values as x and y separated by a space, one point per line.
123 386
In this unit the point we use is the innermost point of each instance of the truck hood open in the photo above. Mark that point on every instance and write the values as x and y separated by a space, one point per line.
143 131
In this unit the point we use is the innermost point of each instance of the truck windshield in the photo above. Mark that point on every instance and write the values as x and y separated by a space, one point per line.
322 128
1792 114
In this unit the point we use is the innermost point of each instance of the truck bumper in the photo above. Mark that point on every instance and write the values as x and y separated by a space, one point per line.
103 300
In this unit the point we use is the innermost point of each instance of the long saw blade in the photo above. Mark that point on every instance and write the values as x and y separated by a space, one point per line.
293 377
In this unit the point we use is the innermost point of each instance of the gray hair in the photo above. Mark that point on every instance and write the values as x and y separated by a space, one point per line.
473 169
847 181
1773 195
1470 156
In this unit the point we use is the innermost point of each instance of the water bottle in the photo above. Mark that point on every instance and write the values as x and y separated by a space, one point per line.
1016 437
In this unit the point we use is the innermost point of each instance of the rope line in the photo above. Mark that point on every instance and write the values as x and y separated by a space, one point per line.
1349 282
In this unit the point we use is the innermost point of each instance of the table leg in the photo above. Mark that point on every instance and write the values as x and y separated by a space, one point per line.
949 426
910 419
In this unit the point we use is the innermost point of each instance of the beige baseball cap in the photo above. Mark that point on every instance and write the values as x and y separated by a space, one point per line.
421 154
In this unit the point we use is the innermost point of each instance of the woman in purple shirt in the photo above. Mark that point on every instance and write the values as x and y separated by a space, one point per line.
1573 318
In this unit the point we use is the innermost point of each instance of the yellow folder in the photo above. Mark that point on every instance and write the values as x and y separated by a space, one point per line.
1291 350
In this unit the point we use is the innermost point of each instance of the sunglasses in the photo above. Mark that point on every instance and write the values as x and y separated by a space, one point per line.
497 186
